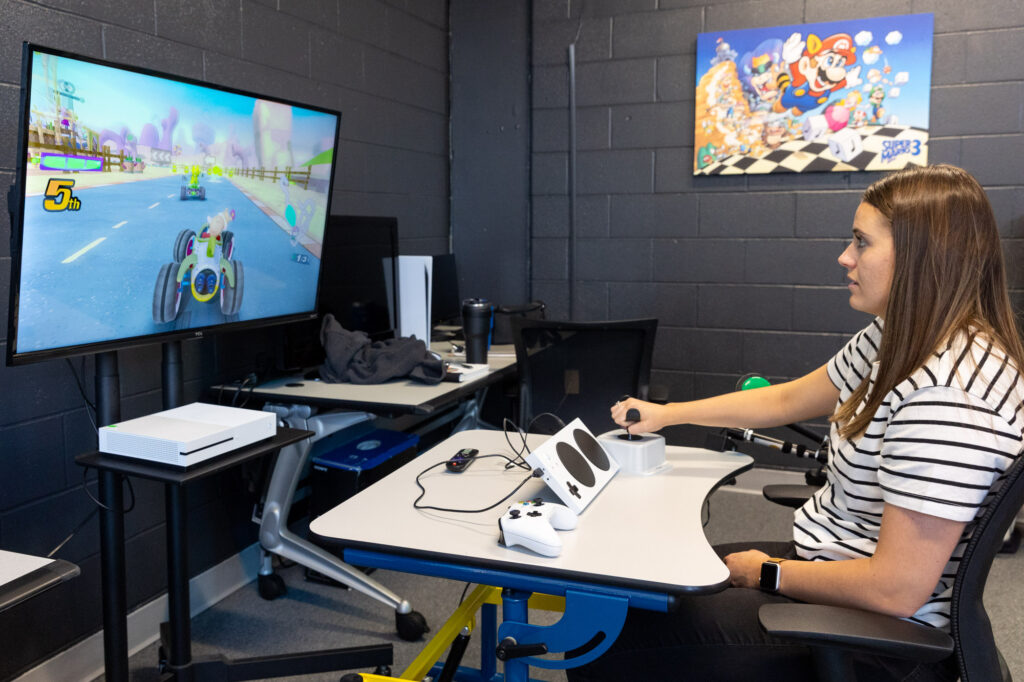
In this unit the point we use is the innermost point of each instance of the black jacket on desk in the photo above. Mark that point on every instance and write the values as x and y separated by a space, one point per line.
353 358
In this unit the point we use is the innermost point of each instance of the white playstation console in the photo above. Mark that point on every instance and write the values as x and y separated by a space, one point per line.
532 524
186 435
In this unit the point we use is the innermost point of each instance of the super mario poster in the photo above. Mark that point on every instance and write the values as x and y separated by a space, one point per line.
836 96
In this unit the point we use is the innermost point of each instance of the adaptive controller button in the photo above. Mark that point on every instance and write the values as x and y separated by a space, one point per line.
574 489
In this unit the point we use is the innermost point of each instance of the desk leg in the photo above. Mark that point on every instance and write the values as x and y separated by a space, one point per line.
115 608
515 608
179 648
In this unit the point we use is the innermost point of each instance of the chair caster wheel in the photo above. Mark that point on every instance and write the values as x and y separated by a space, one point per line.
161 660
411 626
271 586
382 670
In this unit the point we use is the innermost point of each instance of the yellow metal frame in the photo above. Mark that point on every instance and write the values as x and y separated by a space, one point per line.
463 616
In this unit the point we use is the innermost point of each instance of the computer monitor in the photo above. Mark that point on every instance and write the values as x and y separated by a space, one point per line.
357 286
150 207
445 304
359 262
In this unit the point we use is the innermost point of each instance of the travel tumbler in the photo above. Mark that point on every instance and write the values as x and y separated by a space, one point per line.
477 322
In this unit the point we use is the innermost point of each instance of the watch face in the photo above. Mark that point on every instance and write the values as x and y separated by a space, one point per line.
770 574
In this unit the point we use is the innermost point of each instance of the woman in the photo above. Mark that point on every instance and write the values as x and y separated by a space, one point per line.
925 406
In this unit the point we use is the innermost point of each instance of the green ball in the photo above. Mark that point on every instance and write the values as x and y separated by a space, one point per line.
754 382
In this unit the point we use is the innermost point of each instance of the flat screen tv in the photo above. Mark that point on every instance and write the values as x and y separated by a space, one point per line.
149 207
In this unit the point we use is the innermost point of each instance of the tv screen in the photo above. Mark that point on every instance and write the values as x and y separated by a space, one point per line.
150 207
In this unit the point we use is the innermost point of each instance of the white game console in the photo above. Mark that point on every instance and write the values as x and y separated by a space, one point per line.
574 465
532 524
641 453
186 435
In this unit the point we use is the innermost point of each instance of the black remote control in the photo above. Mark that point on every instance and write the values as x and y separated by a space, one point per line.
460 460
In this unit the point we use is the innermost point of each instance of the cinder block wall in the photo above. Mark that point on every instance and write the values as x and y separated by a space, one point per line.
741 271
384 64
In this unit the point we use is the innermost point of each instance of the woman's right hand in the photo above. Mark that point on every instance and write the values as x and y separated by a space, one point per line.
651 415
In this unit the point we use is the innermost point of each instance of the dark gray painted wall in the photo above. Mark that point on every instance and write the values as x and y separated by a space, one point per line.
741 271
490 113
384 64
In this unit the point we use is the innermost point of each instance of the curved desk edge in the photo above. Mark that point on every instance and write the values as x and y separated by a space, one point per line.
35 582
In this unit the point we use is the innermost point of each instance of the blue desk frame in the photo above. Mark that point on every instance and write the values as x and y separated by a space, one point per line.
591 610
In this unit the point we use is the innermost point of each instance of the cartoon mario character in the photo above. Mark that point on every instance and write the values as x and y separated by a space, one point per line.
815 70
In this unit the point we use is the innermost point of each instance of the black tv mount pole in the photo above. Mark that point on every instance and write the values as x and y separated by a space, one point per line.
111 494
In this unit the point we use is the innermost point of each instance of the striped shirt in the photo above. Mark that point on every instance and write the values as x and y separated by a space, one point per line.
938 445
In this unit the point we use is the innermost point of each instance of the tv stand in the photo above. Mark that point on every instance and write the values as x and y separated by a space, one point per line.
176 635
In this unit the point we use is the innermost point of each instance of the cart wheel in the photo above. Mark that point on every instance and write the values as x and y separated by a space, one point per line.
384 670
161 660
165 294
271 586
231 297
227 244
181 245
411 626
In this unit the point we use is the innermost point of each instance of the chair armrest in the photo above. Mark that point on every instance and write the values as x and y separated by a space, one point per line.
853 629
788 495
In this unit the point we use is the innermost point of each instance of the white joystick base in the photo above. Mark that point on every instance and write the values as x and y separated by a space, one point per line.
532 524
642 453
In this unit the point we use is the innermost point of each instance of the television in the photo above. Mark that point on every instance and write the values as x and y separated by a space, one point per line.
150 207
358 286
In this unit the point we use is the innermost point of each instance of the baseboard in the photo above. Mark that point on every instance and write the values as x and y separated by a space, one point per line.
84 661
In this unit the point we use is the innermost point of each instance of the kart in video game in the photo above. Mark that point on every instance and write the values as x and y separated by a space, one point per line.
190 187
203 267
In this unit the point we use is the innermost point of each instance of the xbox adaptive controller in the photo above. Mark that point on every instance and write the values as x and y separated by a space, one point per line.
532 524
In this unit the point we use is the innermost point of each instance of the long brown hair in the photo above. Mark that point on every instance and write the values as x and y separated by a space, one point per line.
948 277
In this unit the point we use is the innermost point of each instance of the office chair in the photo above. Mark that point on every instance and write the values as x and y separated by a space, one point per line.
579 369
833 632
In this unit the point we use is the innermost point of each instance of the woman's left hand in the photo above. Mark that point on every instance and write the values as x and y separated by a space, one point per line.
745 568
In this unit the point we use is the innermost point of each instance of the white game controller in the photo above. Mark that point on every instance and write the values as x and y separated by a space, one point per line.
533 523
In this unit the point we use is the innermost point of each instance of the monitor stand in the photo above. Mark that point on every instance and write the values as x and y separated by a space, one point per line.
111 495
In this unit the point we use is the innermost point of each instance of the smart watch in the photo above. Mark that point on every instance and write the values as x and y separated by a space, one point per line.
771 575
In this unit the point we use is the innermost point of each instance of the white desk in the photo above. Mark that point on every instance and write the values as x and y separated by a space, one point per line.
639 542
641 532
398 396
23 576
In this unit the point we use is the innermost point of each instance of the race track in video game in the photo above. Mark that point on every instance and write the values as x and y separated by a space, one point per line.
89 275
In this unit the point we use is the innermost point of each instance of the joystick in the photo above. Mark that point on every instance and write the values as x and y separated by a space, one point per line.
532 524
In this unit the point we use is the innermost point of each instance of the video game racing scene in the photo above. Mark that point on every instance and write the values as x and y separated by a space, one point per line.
153 204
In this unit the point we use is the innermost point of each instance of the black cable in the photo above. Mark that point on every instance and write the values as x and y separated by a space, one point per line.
131 491
90 406
423 491
464 590
519 460
99 505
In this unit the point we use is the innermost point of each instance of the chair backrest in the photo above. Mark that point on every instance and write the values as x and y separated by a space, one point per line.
976 651
578 369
